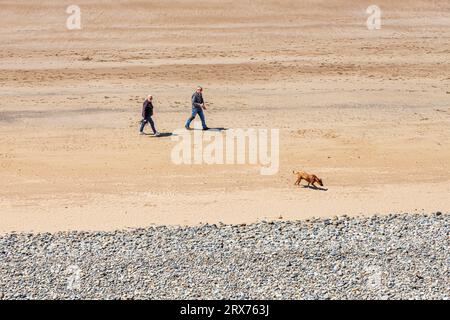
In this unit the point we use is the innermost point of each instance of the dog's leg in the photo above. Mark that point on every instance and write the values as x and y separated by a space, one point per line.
297 182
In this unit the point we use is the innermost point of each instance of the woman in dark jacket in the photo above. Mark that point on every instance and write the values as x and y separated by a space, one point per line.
147 113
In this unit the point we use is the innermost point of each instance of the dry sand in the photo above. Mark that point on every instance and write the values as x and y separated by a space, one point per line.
368 111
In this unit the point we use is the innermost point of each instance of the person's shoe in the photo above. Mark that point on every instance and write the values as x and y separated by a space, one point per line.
141 133
157 134
205 128
187 128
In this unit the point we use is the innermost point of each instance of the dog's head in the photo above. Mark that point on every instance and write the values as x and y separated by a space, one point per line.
320 182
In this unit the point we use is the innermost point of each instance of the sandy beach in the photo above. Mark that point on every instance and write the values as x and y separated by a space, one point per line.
368 111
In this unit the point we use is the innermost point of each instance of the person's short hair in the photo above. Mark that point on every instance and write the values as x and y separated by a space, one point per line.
149 96
199 88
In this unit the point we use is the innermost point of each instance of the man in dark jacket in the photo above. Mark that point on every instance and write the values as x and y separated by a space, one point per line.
147 113
198 105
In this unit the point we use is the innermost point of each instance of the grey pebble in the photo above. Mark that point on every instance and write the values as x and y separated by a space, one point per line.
397 256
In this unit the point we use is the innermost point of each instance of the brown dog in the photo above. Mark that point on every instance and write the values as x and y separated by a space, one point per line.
310 178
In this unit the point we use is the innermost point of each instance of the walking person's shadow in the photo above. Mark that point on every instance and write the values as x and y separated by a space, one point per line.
217 129
211 129
161 134
165 134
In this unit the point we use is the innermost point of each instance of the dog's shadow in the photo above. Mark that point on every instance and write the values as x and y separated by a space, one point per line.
315 188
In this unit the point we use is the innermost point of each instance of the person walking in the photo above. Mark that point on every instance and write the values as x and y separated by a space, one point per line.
147 113
198 105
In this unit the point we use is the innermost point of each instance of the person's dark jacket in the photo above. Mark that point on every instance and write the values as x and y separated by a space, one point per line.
197 100
147 109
